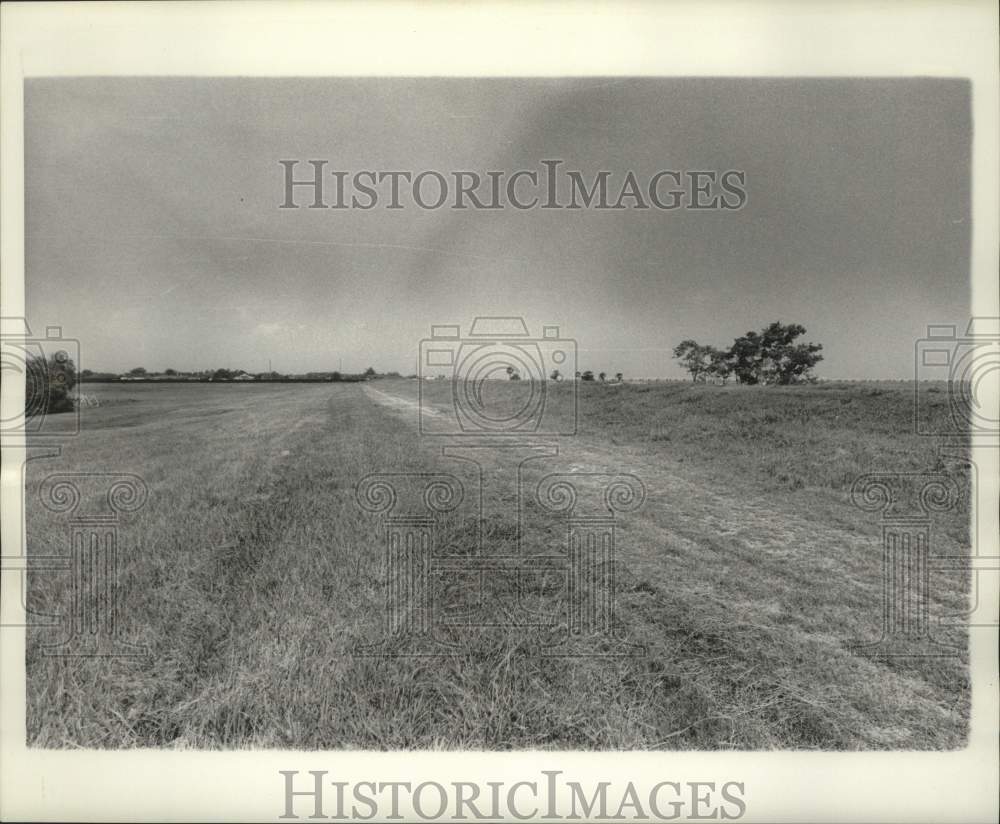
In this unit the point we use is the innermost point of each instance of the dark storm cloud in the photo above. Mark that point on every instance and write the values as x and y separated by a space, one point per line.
152 216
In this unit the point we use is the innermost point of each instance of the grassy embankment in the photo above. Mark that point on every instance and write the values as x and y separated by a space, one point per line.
251 574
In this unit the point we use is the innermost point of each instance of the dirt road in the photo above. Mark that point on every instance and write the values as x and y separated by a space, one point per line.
802 586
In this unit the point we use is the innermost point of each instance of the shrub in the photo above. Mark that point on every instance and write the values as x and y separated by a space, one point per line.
49 385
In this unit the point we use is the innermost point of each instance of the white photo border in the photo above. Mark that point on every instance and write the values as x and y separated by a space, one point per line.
270 39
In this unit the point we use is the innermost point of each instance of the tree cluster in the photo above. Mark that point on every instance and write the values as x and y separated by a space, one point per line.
140 373
588 376
770 356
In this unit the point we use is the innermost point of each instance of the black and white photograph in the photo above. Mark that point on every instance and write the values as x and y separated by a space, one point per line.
521 414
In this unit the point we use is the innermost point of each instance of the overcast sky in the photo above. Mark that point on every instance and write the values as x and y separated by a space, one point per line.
154 234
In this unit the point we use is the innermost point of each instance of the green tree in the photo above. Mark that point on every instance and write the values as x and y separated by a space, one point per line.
694 357
720 365
773 356
745 357
786 361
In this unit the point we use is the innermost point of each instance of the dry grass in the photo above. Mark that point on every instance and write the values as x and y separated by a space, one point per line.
253 577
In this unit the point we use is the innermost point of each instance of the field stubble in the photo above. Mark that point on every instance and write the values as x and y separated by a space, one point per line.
252 574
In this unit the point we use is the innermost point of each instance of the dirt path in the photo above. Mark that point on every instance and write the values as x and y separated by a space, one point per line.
684 523
675 498
761 600
408 408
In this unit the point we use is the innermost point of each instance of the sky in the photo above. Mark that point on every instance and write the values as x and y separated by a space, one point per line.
154 237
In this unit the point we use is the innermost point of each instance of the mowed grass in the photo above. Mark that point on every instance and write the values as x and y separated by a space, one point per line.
257 582
773 438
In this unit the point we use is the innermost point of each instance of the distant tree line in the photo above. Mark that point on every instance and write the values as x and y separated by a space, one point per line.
771 356
49 382
140 373
588 376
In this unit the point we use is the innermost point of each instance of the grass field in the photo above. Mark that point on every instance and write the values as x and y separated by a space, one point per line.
256 580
